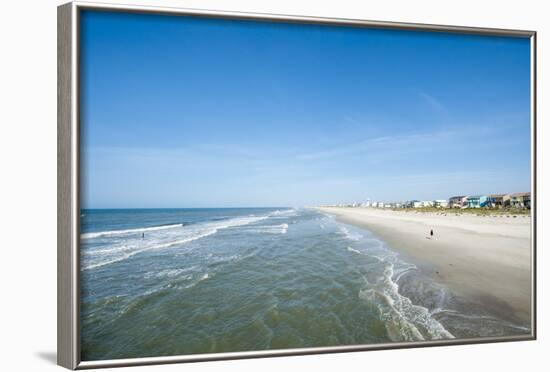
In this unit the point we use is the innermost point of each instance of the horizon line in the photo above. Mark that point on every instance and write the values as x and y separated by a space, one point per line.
241 207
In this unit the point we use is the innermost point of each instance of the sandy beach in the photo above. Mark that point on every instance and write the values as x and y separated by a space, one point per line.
487 259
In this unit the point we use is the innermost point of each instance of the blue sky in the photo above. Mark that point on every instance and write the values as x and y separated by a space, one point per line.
194 112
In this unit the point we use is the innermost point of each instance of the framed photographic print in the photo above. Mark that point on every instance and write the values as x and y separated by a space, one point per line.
235 185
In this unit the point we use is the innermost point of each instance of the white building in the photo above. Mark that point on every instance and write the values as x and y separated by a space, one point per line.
440 203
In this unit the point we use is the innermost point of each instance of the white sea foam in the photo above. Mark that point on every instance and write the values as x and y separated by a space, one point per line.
136 247
397 275
404 321
93 235
355 236
269 229
159 239
128 252
275 229
283 213
202 278
283 228
169 273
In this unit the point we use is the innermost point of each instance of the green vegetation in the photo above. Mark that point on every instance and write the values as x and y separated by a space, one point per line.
471 211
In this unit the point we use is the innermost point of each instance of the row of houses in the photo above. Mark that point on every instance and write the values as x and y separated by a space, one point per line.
516 200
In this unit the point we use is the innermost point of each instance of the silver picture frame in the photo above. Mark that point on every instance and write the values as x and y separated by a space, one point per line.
68 186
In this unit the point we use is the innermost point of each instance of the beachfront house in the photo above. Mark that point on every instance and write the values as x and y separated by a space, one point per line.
521 200
440 203
476 201
413 204
457 201
416 204
498 200
427 203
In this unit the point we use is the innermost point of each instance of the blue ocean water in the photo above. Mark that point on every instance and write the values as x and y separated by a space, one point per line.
158 282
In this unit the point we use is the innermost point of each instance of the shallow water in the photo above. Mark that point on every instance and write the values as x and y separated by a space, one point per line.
163 282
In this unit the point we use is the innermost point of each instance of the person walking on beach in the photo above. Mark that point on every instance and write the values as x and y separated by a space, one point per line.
431 233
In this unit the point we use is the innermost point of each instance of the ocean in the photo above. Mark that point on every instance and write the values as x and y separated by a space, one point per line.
161 282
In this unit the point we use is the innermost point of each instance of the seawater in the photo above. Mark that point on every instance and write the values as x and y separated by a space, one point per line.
159 282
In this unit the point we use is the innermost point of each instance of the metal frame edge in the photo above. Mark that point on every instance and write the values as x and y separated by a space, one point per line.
66 280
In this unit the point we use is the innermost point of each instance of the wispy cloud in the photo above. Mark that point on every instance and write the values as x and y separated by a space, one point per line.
432 102
402 143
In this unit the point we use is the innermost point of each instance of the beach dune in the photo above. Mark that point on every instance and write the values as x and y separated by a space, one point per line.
484 258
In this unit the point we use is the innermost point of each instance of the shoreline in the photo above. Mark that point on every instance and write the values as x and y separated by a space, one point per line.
484 259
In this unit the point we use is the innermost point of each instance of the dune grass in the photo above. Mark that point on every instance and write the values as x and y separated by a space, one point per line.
469 211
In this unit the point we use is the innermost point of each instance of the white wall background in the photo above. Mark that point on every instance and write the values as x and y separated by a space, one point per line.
28 184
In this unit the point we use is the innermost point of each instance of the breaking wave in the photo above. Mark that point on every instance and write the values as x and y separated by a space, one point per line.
99 234
158 238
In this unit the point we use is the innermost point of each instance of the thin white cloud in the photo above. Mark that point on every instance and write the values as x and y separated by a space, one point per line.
432 101
402 143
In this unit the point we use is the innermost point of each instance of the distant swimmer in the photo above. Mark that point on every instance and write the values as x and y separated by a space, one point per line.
142 235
